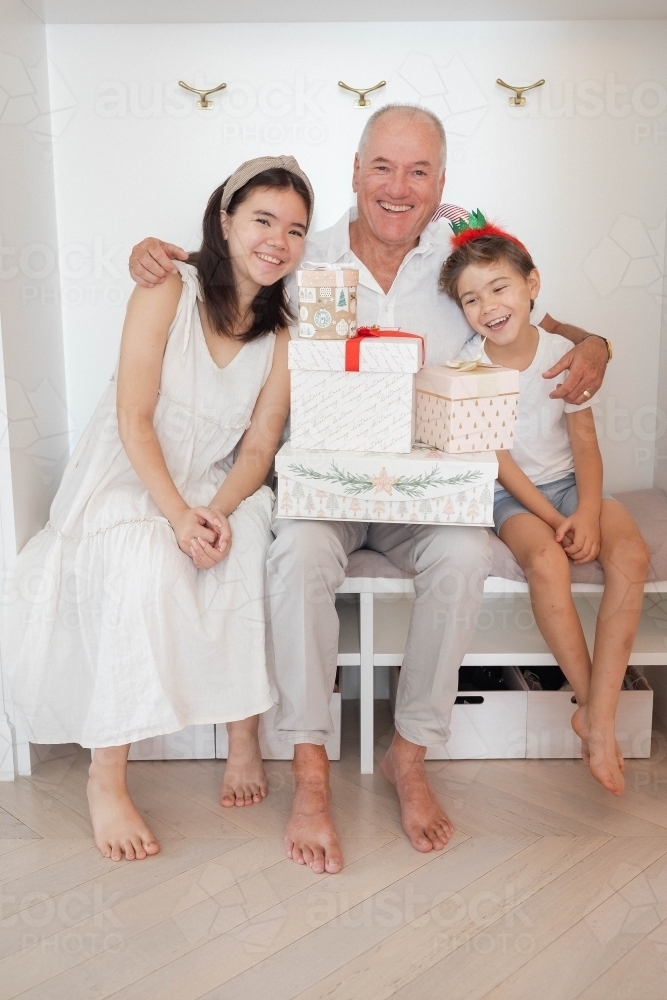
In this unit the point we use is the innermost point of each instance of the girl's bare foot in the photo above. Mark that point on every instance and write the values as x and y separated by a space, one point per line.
424 820
600 751
245 779
118 828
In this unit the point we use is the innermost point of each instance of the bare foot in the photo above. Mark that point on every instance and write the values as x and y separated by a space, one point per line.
118 828
245 779
600 751
310 836
423 818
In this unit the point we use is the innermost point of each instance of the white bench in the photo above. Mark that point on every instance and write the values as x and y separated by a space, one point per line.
370 574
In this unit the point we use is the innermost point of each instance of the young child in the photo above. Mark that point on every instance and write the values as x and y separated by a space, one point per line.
139 608
549 506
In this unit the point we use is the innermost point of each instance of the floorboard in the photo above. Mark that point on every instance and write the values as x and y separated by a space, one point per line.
551 888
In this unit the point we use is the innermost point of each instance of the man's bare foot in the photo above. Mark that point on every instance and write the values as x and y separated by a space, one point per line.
423 818
118 828
245 779
600 751
310 836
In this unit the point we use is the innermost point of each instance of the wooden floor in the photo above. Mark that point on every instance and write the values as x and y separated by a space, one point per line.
551 889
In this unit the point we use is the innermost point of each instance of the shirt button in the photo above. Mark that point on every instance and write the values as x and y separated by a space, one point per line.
386 309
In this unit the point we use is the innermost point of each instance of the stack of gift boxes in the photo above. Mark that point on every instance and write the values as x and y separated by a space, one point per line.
375 436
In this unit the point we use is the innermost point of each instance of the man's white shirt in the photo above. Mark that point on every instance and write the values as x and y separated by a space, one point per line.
413 303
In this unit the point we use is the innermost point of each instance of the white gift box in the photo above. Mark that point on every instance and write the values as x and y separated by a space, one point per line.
372 409
388 355
467 411
425 487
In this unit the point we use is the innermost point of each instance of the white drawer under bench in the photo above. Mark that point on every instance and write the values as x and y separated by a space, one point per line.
519 722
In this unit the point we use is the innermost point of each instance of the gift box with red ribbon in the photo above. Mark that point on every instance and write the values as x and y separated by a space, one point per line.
356 395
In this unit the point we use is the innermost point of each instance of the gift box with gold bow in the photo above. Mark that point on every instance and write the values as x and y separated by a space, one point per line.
469 409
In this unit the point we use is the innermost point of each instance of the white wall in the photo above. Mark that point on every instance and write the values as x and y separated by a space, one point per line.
31 326
33 412
579 174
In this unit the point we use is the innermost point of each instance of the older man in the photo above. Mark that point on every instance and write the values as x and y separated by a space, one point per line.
399 174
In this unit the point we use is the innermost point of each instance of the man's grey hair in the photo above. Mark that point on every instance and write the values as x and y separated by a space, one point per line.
408 110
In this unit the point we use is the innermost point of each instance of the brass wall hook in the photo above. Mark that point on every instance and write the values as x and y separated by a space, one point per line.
203 94
519 100
362 102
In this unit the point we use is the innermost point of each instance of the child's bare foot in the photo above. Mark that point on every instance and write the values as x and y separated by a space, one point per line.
600 751
118 828
245 779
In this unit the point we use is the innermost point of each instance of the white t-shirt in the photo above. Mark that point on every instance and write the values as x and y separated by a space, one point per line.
413 303
542 446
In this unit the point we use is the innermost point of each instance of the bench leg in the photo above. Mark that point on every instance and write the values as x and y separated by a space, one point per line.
366 693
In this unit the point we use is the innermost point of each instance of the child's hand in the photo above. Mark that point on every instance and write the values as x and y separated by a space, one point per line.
580 536
203 533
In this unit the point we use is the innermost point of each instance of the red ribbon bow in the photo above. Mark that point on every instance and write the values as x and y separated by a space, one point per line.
353 345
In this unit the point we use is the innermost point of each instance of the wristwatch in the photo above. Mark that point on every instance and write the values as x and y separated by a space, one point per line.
610 350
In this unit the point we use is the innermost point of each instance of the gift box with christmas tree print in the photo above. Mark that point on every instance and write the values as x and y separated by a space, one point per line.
425 486
462 411
327 301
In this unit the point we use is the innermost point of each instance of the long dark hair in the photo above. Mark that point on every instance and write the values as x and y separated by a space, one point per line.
213 262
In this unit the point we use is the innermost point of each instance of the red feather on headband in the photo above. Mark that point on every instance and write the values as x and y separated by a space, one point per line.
475 226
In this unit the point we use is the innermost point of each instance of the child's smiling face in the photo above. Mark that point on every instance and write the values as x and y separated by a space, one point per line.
496 300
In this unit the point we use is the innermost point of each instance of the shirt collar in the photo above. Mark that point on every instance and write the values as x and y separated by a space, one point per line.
339 242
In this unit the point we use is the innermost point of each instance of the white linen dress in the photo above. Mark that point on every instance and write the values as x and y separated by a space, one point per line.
111 633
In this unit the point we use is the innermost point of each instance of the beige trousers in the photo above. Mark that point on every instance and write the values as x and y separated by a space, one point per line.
306 564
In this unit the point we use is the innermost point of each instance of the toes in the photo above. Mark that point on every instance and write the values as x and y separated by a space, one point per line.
138 846
240 796
421 842
443 832
307 855
436 839
317 864
151 846
116 852
333 864
227 797
445 824
297 855
128 850
289 847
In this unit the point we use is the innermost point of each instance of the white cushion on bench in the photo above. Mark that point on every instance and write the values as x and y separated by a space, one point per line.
648 507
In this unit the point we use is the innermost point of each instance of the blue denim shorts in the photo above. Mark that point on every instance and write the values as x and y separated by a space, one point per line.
562 494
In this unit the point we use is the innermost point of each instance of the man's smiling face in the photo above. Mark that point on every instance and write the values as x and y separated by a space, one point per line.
399 177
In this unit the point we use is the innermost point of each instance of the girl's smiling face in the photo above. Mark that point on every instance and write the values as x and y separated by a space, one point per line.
266 235
496 300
